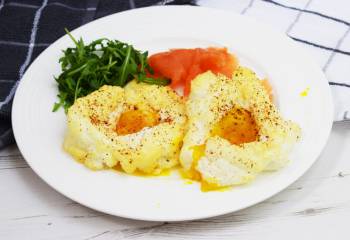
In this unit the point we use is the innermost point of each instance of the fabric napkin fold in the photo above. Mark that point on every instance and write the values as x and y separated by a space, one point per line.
27 27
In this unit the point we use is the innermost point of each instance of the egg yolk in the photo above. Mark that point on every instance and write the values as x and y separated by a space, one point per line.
237 126
193 174
132 121
207 187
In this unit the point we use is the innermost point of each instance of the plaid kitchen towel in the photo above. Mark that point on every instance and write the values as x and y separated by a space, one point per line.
28 27
322 27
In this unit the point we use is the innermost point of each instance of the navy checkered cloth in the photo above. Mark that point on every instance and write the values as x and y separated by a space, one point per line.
27 27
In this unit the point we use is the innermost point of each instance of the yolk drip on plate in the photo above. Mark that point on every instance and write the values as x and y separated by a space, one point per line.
133 121
238 127
305 92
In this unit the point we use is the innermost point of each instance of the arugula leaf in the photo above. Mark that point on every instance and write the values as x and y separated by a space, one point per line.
86 68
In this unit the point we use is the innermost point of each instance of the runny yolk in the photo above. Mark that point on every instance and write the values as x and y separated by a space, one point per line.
207 187
132 121
237 126
193 174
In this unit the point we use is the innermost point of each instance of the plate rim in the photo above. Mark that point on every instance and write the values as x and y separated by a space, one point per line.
198 216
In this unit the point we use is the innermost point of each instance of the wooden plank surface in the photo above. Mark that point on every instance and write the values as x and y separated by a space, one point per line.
317 206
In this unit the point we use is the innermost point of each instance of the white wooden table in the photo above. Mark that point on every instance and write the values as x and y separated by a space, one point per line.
317 206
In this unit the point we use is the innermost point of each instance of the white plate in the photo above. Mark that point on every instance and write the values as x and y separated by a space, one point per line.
39 132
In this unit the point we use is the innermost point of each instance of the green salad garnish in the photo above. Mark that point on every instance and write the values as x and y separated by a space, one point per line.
86 68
